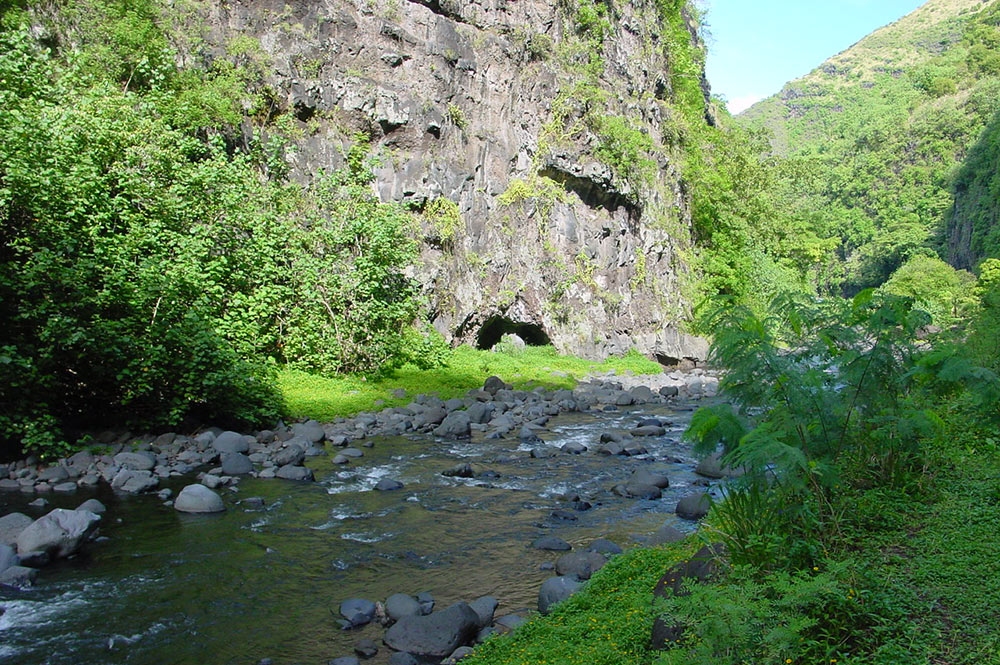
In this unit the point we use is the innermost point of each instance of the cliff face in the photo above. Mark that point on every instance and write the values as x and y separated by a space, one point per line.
539 140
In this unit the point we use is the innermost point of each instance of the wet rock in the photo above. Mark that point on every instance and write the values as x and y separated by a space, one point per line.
344 660
647 477
509 623
455 426
365 648
484 607
35 559
435 635
230 442
134 482
693 506
480 413
93 505
60 533
53 474
463 470
402 658
340 459
650 422
604 546
457 655
9 485
551 543
648 430
666 534
528 436
292 454
564 515
136 461
197 498
580 565
712 467
18 577
555 590
669 391
494 384
426 601
64 488
297 473
352 452
38 503
544 452
253 502
357 611
401 605
634 449
612 448
236 464
11 525
311 431
388 485
8 557
574 448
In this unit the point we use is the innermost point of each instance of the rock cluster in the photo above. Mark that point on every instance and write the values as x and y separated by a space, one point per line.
26 544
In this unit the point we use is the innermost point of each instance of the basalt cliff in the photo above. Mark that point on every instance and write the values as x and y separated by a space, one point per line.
539 141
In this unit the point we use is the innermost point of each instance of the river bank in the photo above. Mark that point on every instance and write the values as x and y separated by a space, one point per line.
300 549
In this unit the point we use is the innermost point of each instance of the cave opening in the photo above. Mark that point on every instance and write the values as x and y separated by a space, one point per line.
498 326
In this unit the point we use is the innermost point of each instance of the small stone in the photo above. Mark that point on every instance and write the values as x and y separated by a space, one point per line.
551 543
388 485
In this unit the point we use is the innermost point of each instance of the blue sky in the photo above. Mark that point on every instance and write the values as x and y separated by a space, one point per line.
756 46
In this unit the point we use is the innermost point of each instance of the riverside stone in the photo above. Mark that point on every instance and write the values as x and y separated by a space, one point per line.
435 635
580 565
230 442
555 590
197 498
236 464
693 506
357 611
11 525
60 533
297 473
401 605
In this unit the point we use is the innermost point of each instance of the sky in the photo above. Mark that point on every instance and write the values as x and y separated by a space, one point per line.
756 46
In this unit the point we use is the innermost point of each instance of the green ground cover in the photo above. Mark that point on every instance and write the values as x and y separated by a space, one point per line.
327 397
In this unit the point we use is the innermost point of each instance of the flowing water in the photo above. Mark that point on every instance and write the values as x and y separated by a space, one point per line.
163 587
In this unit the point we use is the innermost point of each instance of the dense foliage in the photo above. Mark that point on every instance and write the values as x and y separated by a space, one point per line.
871 139
153 266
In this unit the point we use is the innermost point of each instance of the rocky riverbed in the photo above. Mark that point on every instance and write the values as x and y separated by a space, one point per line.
505 499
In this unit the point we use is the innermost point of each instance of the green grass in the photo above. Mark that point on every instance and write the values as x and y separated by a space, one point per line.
911 581
328 397
608 622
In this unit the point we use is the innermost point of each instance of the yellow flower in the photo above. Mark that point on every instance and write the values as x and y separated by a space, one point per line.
788 660
815 567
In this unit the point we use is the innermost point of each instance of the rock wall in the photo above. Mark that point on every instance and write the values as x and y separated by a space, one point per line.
541 151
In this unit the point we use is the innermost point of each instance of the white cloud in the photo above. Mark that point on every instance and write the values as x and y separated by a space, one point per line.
740 104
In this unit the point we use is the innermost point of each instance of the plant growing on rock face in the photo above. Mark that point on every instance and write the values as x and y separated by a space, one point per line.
444 218
822 394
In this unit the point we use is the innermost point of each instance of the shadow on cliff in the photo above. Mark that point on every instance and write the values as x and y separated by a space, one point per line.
970 229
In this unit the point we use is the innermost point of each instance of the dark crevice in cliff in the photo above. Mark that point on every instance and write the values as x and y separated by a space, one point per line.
497 326
593 194
443 8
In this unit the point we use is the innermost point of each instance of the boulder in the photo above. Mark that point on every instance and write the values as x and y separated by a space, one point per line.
457 655
65 488
426 601
366 648
455 426
60 533
311 431
403 658
231 442
648 430
693 506
236 464
198 499
140 461
18 577
463 470
357 611
293 472
292 454
345 660
8 557
636 490
484 607
666 534
669 391
580 565
555 590
401 605
494 384
388 485
604 546
574 448
134 482
698 569
647 477
712 467
509 623
480 413
11 525
53 474
436 635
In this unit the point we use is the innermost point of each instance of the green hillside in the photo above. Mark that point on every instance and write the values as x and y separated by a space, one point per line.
873 140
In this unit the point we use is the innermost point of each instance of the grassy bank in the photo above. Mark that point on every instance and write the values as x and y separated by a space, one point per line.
327 397
910 581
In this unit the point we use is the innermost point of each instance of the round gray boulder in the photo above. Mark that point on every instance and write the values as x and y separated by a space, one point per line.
358 611
693 506
401 605
198 499
555 590
436 635
236 464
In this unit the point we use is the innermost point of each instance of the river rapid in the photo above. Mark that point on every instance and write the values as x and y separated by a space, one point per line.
163 587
